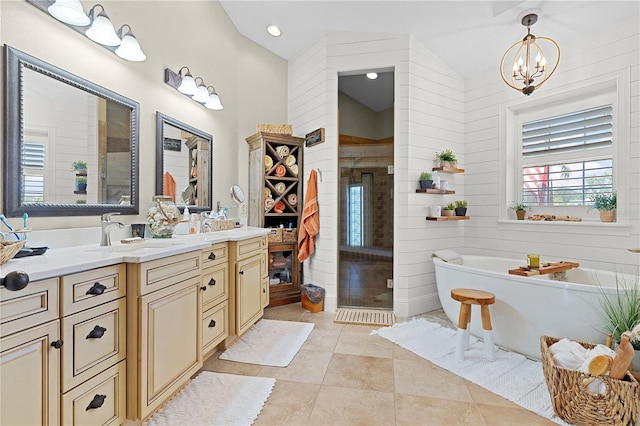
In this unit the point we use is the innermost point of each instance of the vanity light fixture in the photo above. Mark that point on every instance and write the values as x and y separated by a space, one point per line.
129 48
101 30
70 12
372 75
524 63
274 30
199 92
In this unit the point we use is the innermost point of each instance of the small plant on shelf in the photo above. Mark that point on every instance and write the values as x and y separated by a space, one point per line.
520 209
426 181
448 210
447 158
81 184
79 166
461 208
606 203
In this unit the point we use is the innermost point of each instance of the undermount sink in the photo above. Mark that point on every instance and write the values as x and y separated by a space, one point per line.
129 248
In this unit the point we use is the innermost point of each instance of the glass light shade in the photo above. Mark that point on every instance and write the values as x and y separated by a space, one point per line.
129 49
214 102
70 12
188 85
202 95
101 31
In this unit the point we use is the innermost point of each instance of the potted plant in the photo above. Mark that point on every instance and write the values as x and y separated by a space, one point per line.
81 183
447 158
461 208
425 180
620 312
80 167
605 203
520 209
448 210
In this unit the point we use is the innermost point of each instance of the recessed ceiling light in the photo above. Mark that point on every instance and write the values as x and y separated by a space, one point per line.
274 30
372 75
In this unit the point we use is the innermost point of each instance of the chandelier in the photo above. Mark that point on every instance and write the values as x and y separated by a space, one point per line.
524 63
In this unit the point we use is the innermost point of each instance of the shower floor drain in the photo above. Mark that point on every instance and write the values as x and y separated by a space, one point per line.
364 316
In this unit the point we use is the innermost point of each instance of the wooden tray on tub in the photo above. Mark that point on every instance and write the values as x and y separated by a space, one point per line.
545 268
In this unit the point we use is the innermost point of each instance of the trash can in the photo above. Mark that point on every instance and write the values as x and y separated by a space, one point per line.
312 297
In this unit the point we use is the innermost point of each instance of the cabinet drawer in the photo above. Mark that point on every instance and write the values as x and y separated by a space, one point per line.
93 340
99 401
215 255
215 327
88 289
165 272
248 248
215 286
35 304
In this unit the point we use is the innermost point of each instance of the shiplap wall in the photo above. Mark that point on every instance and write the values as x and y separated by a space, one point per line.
601 246
429 114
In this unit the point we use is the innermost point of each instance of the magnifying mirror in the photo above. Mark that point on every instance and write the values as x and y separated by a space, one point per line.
237 194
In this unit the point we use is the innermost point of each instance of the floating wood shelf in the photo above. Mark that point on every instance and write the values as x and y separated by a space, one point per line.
435 191
443 218
79 192
447 170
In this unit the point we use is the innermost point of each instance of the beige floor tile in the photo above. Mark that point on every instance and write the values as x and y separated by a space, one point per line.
322 338
420 410
290 403
354 407
360 372
359 342
290 312
422 378
307 367
511 416
482 396
213 363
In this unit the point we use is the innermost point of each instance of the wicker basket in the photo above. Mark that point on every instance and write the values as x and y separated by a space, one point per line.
290 235
575 404
283 129
8 249
275 235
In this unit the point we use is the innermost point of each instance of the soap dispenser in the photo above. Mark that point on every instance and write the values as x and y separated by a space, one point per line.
436 180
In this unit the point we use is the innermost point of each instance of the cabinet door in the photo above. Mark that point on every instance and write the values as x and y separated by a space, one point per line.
214 286
29 367
171 350
249 292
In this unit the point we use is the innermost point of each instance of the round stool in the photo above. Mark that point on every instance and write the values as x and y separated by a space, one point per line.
468 297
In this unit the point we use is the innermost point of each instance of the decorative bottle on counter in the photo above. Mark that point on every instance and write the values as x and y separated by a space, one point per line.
162 217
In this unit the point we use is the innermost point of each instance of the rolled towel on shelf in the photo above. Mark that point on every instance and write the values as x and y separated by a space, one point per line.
448 256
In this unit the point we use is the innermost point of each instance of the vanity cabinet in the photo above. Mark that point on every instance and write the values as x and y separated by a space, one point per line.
164 316
214 287
275 200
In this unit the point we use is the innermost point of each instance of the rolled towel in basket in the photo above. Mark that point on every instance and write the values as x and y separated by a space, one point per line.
448 256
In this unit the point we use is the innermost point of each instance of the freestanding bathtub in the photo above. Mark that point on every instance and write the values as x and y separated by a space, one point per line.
528 307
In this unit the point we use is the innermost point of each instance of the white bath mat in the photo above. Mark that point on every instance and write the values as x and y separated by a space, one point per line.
269 342
511 375
216 399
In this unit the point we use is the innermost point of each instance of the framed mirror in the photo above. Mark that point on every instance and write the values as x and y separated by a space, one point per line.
184 158
70 146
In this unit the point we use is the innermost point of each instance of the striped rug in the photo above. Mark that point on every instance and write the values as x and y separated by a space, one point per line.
364 316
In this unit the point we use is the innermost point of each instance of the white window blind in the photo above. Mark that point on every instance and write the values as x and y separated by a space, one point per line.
33 155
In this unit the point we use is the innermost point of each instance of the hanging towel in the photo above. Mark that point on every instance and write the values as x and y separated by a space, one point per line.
169 186
310 223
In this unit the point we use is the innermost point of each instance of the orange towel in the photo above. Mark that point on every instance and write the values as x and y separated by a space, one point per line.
169 186
310 224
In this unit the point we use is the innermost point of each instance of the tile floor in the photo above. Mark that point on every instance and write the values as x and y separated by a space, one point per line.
362 281
344 376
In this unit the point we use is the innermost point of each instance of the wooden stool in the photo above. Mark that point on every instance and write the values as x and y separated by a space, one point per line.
468 297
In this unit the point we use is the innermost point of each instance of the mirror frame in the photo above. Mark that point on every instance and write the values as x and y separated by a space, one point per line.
15 60
161 120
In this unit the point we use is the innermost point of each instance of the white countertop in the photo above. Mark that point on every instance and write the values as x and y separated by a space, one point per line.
61 261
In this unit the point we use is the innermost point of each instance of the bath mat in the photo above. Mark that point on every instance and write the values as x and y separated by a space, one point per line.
216 399
269 342
511 375
364 316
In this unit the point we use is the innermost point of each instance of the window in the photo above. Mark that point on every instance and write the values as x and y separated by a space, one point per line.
355 194
33 155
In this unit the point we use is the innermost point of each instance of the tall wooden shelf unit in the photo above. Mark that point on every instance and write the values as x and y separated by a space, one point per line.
267 180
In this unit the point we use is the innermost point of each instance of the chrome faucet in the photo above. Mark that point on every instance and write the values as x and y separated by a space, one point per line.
107 224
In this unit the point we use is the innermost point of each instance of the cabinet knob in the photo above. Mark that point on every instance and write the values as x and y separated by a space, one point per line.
15 280
212 256
97 289
57 344
96 402
203 288
241 272
212 282
264 290
212 323
96 333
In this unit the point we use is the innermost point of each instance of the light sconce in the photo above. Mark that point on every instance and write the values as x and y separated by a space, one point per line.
524 63
100 29
196 89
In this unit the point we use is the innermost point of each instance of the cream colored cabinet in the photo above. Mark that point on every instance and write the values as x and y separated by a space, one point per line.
29 376
164 317
214 287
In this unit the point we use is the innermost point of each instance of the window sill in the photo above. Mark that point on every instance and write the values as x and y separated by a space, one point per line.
591 227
